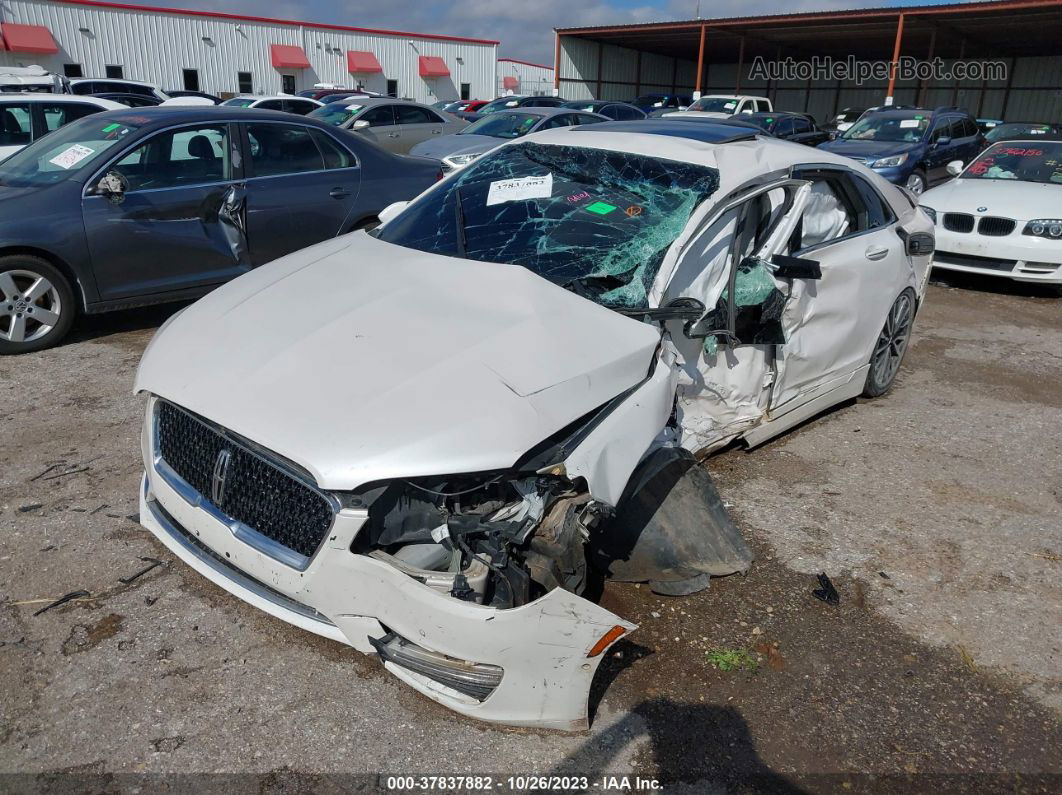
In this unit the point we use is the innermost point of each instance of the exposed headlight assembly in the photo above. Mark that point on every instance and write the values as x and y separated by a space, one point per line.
890 162
457 161
1044 227
930 212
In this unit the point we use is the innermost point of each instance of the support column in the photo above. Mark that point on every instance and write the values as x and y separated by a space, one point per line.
955 89
556 64
700 67
741 65
895 61
600 67
922 84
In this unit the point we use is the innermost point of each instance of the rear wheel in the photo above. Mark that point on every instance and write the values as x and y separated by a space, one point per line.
36 304
891 346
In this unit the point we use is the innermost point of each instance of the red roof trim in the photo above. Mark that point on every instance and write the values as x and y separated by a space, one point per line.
433 66
288 56
526 63
27 38
362 62
274 21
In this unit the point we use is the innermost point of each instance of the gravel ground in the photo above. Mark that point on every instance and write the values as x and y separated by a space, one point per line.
937 512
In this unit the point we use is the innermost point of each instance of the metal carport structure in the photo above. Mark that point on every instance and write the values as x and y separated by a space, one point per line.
716 56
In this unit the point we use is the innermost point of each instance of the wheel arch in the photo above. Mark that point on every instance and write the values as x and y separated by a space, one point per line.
58 262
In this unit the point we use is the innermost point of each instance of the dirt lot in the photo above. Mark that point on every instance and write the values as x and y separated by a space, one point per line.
937 512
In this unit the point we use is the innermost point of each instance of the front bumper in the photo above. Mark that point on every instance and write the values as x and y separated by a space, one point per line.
1015 256
541 648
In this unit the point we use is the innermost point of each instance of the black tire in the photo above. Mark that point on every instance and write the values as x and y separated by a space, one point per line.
26 318
920 175
891 345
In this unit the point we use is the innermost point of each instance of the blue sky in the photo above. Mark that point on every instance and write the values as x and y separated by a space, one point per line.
524 27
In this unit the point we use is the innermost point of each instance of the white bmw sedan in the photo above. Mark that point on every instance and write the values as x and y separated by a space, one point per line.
430 441
1002 215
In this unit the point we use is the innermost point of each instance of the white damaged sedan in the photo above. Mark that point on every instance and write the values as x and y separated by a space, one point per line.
1002 215
430 441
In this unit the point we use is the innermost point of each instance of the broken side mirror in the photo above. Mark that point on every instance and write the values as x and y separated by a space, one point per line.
112 185
955 167
786 267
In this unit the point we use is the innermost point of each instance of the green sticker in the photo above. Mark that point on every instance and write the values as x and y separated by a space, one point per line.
919 118
601 208
111 127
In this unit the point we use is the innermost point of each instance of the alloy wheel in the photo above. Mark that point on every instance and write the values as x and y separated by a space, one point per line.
915 184
30 306
892 342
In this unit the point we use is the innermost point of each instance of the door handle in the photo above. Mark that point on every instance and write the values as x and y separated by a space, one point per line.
436 132
877 252
339 193
392 135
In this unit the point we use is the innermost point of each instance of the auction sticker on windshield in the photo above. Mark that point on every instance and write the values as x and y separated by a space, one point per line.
520 189
71 156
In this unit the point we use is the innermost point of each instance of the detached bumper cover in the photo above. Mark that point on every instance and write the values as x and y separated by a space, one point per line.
540 649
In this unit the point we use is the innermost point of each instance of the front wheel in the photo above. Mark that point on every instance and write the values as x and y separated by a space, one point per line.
36 304
891 346
916 183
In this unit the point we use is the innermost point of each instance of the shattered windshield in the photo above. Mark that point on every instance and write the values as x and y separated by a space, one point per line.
594 221
892 129
1041 162
502 125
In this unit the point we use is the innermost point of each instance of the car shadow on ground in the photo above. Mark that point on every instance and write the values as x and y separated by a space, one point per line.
990 284
90 328
702 746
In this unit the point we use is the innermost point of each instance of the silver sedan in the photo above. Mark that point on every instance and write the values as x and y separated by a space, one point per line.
393 124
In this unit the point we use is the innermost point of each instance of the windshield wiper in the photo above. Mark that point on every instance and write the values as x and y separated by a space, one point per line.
459 221
580 285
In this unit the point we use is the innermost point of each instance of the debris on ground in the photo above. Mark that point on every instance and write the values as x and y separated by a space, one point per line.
62 600
153 563
826 592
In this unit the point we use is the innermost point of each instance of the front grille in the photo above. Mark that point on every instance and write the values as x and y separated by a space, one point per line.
995 227
972 261
958 222
256 493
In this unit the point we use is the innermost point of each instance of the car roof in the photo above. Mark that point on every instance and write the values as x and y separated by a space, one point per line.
168 115
708 132
370 101
76 80
260 97
775 114
87 99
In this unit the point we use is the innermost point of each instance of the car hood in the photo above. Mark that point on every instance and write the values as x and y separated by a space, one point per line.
1021 201
360 360
867 149
456 144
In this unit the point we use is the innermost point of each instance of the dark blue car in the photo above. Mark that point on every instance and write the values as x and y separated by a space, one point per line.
150 205
911 147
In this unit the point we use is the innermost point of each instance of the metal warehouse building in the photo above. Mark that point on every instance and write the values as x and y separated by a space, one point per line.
716 56
523 77
227 53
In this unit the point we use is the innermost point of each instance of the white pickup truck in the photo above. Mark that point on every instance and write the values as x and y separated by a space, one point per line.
723 105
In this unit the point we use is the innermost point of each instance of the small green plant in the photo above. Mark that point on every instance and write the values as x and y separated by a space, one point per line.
732 660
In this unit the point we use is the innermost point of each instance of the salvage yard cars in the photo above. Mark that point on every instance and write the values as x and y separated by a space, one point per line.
495 397
131 207
1002 215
